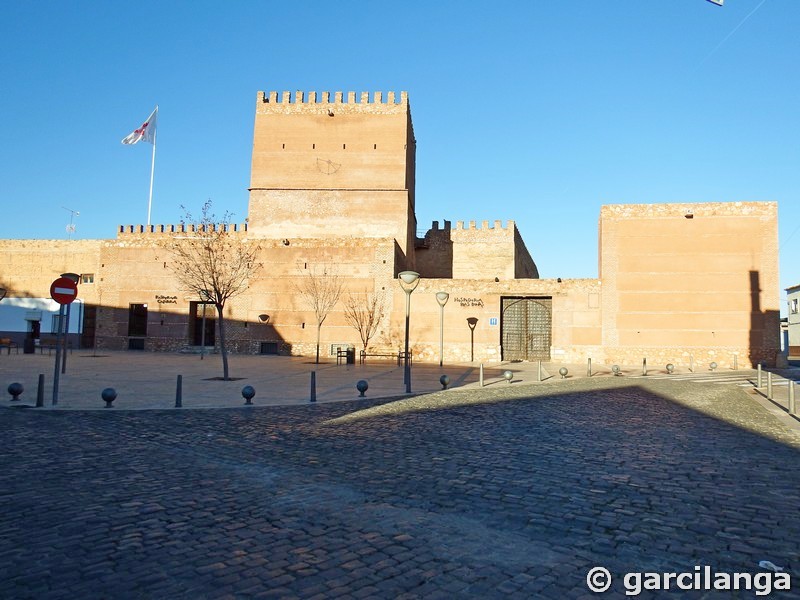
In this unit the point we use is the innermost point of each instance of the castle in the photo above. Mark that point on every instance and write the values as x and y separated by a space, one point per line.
333 187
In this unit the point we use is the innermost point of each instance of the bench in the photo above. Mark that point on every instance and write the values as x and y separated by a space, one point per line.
49 344
9 344
379 353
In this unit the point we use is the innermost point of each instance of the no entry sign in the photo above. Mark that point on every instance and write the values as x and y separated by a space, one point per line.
63 290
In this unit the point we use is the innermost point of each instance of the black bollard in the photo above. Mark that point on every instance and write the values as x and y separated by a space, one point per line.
445 381
313 386
40 392
109 395
248 392
362 386
179 392
15 389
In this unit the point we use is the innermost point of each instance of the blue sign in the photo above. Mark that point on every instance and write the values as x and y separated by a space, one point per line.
493 321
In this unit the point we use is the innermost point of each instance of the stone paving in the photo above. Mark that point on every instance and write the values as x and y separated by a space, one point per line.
507 491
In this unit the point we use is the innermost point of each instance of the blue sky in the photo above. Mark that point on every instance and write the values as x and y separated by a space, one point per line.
537 111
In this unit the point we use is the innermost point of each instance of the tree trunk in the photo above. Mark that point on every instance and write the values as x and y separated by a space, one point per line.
223 348
319 328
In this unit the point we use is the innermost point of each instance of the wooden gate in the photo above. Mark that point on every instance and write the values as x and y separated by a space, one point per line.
525 328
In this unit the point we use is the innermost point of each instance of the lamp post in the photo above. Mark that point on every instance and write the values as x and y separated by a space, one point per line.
408 282
441 298
472 321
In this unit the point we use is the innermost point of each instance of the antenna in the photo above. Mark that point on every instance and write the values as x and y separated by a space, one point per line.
71 226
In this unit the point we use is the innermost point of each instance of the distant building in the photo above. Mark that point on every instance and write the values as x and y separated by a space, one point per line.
333 186
793 320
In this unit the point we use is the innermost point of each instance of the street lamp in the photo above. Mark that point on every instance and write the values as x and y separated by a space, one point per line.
441 298
472 321
408 282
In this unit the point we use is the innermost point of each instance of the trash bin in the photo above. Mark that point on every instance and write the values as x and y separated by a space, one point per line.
351 356
28 346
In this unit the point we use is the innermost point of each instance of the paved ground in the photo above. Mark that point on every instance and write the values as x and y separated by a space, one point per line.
506 491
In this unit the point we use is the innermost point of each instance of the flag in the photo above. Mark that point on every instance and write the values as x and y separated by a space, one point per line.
147 131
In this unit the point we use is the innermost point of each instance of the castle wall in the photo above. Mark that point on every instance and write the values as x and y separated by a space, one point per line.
690 282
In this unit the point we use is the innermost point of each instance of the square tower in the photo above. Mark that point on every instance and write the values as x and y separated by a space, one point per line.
333 166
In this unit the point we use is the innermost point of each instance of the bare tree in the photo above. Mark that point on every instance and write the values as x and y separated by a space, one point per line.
321 290
364 313
214 265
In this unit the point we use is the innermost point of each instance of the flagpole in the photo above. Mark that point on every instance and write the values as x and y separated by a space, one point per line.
152 170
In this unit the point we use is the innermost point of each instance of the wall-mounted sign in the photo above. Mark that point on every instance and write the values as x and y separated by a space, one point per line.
470 301
492 320
166 299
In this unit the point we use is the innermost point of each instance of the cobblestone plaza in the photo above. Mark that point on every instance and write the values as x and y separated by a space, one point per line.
507 491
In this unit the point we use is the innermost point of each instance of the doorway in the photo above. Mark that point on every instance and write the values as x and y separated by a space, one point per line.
196 310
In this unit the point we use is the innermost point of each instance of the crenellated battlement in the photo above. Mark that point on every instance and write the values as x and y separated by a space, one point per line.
462 225
172 230
331 104
300 97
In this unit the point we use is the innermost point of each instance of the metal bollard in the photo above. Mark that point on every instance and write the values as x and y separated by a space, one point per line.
759 382
40 392
508 375
735 362
644 366
109 395
313 386
248 392
15 389
539 372
691 363
769 385
480 375
445 381
792 406
179 392
362 386
589 367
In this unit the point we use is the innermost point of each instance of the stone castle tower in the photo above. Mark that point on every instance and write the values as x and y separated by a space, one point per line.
333 166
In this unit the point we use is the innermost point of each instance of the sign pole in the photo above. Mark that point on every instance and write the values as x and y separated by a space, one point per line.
66 341
58 353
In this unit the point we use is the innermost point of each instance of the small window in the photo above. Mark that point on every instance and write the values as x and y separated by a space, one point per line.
87 278
793 304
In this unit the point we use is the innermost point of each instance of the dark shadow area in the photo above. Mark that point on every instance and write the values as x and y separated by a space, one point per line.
764 327
434 252
468 491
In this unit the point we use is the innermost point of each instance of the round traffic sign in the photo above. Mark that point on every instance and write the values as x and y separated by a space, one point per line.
64 290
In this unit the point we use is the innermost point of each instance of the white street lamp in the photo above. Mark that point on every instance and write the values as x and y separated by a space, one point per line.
441 298
409 280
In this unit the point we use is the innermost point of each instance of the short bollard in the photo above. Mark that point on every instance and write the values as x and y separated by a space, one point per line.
792 405
735 362
109 395
712 366
563 372
248 392
670 368
539 372
508 376
759 381
644 366
313 386
480 375
589 367
362 386
15 389
445 381
769 385
616 370
40 392
691 363
179 392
